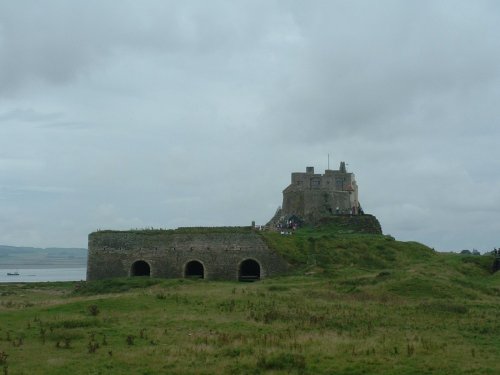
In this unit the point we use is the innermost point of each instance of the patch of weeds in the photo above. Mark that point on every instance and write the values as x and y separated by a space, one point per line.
161 296
282 361
93 310
92 346
277 288
9 304
18 342
443 306
43 331
64 337
232 352
384 274
74 323
3 358
130 340
118 285
227 306
65 343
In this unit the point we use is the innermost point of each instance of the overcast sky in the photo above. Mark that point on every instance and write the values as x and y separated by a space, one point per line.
134 114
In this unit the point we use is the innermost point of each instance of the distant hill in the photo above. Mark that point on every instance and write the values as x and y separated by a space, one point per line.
33 257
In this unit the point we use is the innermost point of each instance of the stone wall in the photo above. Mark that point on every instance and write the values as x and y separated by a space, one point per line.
312 196
313 204
113 253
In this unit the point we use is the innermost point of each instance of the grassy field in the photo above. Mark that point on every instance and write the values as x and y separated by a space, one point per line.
353 304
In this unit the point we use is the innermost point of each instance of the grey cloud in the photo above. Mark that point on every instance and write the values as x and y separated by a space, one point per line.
28 115
57 42
11 164
369 75
161 113
74 125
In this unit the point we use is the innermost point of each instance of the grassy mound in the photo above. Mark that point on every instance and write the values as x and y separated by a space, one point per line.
382 265
353 304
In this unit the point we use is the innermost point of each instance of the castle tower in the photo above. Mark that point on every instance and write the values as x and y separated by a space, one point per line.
312 196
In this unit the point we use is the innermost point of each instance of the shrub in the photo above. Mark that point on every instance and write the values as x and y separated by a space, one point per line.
130 340
161 296
3 358
93 310
282 361
92 346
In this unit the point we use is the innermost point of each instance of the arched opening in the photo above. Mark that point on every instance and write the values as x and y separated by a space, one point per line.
195 270
249 270
140 268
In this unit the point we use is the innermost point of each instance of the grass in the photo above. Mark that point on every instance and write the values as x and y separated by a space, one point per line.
181 230
353 304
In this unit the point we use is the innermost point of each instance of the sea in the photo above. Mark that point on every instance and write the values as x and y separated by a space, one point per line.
32 275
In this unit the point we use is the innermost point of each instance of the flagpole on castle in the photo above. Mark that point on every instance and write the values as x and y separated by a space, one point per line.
328 161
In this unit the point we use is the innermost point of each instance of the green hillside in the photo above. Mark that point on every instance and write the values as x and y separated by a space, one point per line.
380 264
352 304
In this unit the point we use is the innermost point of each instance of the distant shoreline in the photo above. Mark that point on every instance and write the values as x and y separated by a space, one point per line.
15 258
31 275
9 267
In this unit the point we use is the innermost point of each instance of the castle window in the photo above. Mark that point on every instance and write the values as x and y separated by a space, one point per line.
339 184
315 182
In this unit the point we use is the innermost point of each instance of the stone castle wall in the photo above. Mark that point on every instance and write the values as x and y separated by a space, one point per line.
113 253
313 204
312 196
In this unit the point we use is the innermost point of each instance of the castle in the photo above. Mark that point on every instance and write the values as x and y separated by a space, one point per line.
228 253
311 197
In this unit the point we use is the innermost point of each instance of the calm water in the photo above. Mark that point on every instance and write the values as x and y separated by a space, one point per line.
42 274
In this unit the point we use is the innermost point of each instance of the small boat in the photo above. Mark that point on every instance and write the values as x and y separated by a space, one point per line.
13 273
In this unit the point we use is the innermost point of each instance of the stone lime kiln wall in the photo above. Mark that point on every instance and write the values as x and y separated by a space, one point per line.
210 253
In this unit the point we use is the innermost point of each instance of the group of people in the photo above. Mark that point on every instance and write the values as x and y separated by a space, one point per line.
289 224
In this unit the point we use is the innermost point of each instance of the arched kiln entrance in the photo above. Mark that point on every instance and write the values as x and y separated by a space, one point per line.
249 270
140 268
194 269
